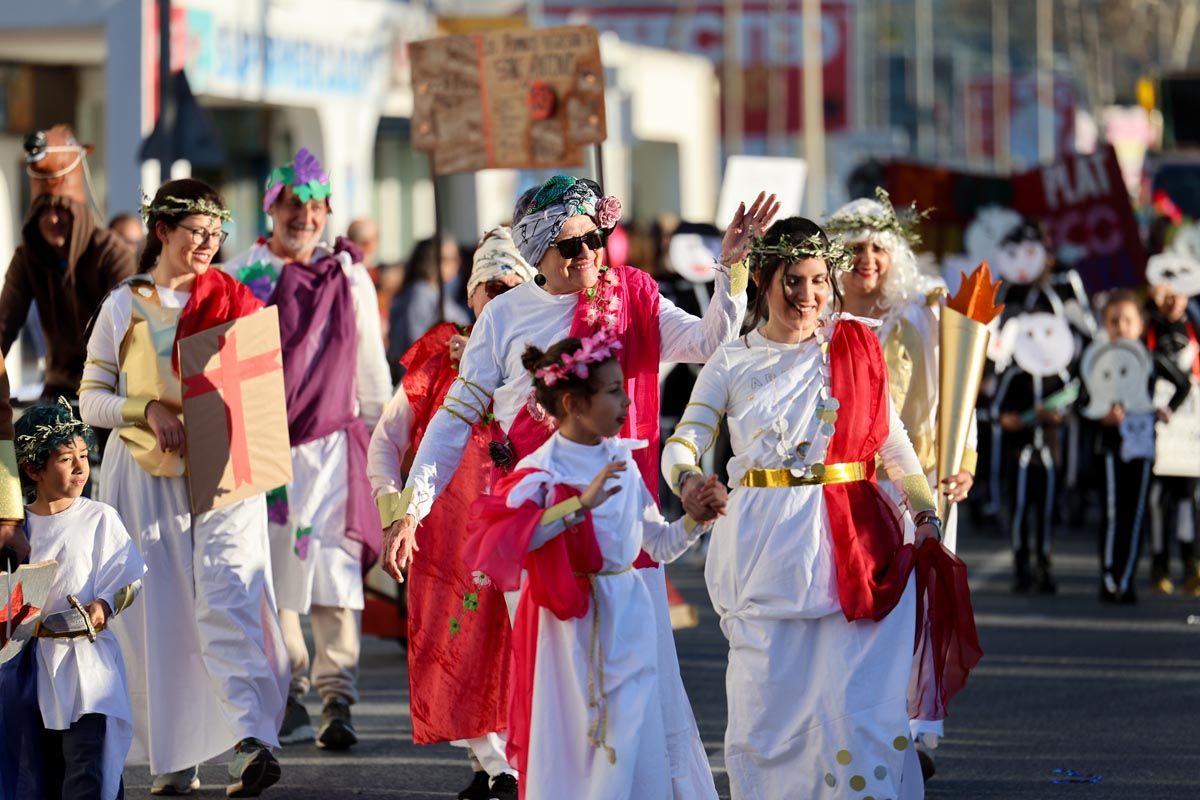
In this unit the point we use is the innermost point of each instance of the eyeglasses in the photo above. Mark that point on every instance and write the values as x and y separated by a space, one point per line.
200 236
594 239
495 288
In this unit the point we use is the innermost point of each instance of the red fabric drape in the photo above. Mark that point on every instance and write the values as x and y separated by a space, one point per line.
216 299
873 564
499 546
458 671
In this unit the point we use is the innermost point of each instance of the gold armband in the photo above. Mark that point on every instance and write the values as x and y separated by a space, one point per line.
739 277
123 599
677 473
561 510
133 410
920 497
393 506
970 460
11 505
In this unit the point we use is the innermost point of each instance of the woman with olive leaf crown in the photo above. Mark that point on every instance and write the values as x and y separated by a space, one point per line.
807 568
205 655
560 228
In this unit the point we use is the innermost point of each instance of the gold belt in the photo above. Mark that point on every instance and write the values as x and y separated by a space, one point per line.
606 574
782 478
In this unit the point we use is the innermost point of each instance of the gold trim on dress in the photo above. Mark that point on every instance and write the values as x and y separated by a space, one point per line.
739 277
561 510
677 472
783 478
920 496
133 410
970 460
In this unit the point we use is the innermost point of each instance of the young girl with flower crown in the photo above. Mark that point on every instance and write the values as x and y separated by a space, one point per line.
585 720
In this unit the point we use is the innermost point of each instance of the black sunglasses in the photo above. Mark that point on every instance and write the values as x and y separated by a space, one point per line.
495 288
569 248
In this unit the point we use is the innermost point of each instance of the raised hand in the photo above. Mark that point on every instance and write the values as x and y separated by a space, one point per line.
596 492
746 226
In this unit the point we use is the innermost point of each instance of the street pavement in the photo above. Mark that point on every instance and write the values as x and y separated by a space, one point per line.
1108 695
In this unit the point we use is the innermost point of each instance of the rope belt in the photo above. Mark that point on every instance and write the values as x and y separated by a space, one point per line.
597 696
782 478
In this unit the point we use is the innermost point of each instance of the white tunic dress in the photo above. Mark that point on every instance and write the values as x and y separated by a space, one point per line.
205 655
96 558
817 705
312 560
491 365
561 762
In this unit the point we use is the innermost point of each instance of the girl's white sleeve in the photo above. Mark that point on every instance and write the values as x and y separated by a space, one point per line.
100 403
666 541
697 431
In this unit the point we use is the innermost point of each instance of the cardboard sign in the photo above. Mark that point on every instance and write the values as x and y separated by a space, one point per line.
517 99
1178 440
234 411
25 593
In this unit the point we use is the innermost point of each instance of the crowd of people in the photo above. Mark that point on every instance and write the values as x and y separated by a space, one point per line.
491 437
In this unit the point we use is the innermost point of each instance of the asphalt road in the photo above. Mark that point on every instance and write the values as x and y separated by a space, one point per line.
1110 693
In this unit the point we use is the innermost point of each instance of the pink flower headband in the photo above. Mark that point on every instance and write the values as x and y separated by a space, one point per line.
594 349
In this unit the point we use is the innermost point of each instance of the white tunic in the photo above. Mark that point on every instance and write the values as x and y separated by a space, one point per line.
205 654
311 558
803 684
561 762
96 558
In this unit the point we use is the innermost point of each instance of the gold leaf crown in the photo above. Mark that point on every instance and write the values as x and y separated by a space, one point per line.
903 223
834 251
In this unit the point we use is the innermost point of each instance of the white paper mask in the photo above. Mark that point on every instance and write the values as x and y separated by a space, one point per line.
983 236
1044 345
1020 262
1186 241
692 256
1117 372
1180 272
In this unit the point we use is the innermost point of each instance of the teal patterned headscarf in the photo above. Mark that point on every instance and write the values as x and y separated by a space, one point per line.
538 219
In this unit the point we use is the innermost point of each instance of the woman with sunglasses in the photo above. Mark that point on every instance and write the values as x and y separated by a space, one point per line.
561 227
458 633
204 651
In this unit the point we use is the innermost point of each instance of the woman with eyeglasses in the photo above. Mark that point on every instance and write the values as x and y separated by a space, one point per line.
457 627
204 651
561 228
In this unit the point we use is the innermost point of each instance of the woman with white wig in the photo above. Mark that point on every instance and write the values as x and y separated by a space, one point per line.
887 284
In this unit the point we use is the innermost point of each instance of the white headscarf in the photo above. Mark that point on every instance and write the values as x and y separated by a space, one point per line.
496 255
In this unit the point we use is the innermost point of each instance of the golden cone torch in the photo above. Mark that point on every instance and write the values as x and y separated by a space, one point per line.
963 334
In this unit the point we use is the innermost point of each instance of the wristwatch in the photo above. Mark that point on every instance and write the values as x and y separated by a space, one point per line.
928 518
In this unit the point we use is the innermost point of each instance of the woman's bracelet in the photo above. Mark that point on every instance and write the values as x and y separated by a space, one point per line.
928 518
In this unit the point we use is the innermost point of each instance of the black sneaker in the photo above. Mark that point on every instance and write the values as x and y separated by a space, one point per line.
504 787
478 790
253 769
337 730
297 725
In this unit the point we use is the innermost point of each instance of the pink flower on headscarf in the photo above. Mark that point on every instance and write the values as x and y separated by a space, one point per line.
608 211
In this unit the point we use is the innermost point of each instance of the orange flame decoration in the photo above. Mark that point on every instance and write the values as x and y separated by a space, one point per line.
976 296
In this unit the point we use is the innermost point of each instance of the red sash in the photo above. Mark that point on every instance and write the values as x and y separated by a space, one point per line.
873 563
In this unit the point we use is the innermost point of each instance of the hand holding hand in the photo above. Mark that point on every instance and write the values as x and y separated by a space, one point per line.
746 226
596 492
399 545
705 500
166 426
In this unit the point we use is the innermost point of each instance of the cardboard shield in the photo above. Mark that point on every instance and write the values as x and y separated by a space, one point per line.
234 411
24 592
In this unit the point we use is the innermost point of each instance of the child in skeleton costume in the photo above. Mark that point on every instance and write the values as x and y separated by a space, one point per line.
458 629
560 228
77 700
207 669
1173 330
1031 281
1119 374
1033 397
585 718
324 529
808 568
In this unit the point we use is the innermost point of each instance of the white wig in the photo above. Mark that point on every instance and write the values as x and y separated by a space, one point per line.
865 220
